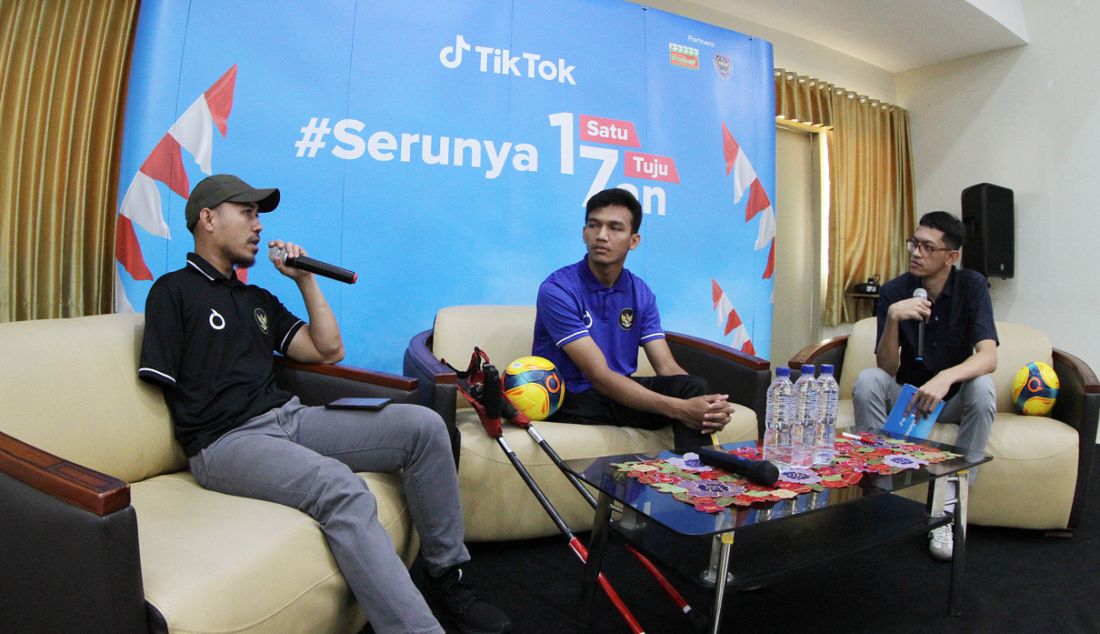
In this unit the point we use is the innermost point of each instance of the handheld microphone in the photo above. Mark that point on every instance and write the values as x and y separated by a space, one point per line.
318 267
761 472
923 294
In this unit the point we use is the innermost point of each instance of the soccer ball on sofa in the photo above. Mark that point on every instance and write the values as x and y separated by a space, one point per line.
534 386
1034 389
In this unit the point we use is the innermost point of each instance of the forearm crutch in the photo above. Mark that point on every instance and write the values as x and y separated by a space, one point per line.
488 410
698 620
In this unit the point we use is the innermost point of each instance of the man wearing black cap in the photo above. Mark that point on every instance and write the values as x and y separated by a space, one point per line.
208 344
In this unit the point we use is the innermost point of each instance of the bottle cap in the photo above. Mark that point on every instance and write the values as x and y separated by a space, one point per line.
826 368
808 369
782 371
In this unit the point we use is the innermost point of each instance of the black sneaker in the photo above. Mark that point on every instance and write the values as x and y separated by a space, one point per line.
456 602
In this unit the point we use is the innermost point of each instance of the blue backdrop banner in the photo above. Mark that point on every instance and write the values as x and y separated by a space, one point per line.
444 150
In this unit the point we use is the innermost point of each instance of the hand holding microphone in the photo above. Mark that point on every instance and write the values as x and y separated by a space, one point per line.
920 293
279 253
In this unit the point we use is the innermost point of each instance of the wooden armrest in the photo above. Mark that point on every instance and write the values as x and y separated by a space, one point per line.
725 352
1088 378
373 377
814 350
420 354
80 486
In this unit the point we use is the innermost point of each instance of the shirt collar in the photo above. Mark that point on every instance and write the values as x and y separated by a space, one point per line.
915 283
593 285
949 285
207 270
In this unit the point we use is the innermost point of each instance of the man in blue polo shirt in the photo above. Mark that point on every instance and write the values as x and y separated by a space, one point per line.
960 345
208 344
592 318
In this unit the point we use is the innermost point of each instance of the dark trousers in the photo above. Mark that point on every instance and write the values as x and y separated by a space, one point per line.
591 407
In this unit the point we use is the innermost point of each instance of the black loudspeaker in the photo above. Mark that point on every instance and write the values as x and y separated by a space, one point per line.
987 212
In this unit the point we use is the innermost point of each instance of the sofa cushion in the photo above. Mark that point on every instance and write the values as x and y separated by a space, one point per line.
489 483
1020 345
212 562
70 387
1030 482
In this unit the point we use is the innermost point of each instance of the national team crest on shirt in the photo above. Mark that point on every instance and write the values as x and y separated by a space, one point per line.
626 318
261 319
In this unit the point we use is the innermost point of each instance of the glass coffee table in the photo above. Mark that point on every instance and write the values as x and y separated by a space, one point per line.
772 538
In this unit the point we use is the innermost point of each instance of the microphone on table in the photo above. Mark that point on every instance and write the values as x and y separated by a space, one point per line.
318 267
923 294
761 472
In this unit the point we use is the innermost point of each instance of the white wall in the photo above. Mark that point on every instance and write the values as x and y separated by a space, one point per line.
1028 119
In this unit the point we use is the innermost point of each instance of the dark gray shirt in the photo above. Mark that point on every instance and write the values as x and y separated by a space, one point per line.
961 317
208 343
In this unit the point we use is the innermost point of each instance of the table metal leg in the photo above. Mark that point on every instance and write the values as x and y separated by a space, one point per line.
958 530
720 588
596 546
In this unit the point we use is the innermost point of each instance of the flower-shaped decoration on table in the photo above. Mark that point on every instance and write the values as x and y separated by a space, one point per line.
689 462
712 490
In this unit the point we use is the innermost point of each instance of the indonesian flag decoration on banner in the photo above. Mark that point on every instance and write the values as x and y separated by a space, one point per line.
141 204
730 321
745 178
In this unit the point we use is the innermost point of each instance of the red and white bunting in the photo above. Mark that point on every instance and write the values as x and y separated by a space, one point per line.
745 178
142 203
730 321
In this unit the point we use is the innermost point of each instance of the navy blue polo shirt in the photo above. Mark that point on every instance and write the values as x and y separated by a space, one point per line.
572 304
961 317
208 343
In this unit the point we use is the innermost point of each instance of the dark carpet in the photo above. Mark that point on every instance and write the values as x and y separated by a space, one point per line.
1015 581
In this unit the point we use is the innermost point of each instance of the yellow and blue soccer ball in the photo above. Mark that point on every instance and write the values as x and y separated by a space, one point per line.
1034 389
534 386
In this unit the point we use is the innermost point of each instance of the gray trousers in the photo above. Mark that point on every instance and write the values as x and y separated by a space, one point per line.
305 457
972 407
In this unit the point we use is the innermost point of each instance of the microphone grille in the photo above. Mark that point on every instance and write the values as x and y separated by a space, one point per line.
921 293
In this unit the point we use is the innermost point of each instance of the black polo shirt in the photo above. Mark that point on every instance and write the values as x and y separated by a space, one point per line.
208 343
961 317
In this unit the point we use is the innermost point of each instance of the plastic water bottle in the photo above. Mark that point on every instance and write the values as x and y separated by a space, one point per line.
778 415
825 432
805 419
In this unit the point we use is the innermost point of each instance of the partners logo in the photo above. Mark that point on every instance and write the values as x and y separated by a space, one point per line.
683 56
723 65
501 61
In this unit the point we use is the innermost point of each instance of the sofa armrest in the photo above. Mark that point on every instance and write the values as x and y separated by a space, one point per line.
70 546
830 351
728 371
320 383
438 383
1078 405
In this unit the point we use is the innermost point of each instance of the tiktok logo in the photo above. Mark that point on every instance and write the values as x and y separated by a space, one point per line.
504 63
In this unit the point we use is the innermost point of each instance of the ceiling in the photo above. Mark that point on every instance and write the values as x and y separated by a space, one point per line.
896 35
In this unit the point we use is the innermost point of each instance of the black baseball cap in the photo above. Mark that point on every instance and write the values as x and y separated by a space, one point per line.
219 188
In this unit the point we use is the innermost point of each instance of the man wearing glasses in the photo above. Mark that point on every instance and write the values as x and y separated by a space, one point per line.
960 345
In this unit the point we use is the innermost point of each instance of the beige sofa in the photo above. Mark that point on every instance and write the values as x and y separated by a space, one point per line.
496 503
1041 465
103 528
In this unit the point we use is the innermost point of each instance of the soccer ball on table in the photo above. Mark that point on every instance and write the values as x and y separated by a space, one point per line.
534 386
1034 389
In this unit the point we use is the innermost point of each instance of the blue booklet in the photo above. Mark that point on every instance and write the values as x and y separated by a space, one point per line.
904 419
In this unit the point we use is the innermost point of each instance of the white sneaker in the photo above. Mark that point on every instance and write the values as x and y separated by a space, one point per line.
941 543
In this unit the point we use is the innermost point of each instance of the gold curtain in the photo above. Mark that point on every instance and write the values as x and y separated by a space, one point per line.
870 185
64 65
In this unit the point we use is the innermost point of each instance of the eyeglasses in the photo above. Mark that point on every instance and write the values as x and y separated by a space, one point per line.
925 247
